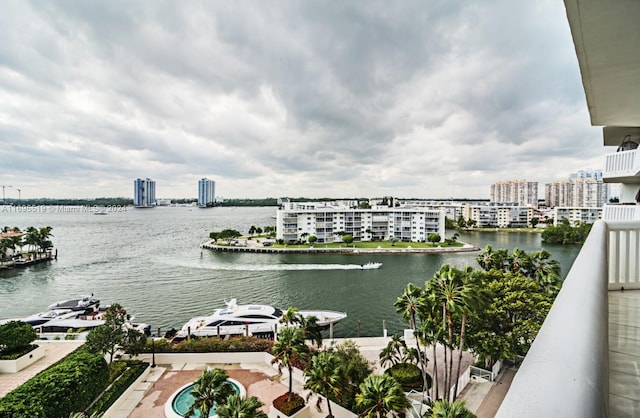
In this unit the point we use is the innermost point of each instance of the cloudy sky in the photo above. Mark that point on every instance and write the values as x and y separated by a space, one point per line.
425 99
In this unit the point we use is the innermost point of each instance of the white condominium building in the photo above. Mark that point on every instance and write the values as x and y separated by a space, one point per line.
144 193
487 216
298 221
583 215
206 193
517 192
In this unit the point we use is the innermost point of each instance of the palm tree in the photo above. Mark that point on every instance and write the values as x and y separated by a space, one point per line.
409 304
324 376
32 238
310 328
519 261
393 352
445 409
473 299
381 396
288 347
546 271
290 316
211 388
236 407
44 233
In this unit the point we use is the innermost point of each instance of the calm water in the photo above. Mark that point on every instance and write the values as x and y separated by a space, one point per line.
150 262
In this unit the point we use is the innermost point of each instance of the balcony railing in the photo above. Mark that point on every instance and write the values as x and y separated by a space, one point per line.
621 213
566 372
621 165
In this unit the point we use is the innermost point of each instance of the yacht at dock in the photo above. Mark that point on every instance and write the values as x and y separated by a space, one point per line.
257 320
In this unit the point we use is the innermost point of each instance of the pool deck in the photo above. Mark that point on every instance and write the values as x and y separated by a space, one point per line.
260 379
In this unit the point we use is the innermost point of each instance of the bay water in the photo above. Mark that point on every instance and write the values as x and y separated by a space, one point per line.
149 261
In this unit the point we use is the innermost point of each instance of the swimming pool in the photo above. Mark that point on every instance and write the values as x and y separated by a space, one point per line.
181 400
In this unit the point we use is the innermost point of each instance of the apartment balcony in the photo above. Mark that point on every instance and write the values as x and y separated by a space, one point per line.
585 361
622 167
621 213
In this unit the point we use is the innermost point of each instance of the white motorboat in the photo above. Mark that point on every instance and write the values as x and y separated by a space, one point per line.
258 320
46 316
370 266
85 304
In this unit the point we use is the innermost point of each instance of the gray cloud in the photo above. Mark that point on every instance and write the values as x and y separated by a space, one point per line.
421 99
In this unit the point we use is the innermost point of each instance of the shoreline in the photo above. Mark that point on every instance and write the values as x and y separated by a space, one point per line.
352 251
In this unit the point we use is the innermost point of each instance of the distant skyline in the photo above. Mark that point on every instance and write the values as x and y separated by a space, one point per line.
317 99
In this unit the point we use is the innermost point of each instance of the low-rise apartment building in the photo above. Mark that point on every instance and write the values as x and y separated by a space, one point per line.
296 221
503 216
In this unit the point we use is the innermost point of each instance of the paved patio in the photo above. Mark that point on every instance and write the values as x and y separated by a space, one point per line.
54 351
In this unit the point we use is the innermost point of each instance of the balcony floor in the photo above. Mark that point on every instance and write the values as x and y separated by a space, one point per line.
624 353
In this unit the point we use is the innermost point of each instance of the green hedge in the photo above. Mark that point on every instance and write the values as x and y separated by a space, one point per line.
16 336
408 375
212 345
130 371
68 386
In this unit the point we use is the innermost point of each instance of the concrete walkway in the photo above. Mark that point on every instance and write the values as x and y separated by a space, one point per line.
54 351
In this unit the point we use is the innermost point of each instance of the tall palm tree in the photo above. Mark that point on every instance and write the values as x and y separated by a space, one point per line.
310 328
211 388
290 316
32 238
236 407
519 261
445 409
409 304
393 352
455 291
290 345
546 271
432 333
381 396
473 299
324 376
44 233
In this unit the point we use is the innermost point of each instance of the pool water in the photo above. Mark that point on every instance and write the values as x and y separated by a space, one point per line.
184 399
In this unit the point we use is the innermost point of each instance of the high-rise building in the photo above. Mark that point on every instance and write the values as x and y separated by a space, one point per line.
519 192
206 193
144 193
583 189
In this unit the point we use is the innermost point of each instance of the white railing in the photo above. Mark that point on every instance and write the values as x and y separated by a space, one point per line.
463 381
621 213
621 164
624 255
566 372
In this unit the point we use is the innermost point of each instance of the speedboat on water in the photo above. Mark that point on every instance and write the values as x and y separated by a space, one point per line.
86 304
370 266
258 320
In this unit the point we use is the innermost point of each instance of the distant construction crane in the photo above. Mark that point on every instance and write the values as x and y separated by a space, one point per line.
19 190
3 187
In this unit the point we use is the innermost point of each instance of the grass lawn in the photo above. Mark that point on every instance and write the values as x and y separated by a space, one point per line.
373 244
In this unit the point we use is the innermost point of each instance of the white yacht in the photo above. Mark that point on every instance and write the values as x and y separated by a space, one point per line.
86 303
258 320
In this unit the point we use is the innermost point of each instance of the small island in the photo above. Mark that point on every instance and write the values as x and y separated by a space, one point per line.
13 241
230 240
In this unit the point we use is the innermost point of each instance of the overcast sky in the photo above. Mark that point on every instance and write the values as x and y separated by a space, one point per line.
425 99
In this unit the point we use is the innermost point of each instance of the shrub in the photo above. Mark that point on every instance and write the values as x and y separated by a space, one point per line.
211 345
282 404
130 370
16 336
408 375
68 386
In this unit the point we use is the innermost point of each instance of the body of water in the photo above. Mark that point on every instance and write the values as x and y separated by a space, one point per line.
149 261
